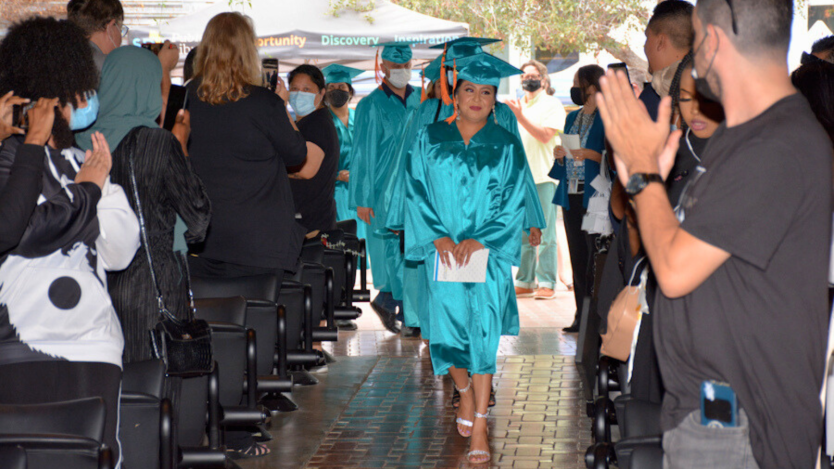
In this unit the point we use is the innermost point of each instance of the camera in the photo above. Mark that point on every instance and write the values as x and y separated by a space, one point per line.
154 47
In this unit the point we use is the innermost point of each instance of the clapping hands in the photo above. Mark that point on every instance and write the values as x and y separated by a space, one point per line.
97 163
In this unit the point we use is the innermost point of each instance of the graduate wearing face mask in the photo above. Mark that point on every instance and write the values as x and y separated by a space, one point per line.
339 81
381 118
313 183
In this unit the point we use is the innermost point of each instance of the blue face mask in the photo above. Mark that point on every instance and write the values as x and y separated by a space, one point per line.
84 117
303 103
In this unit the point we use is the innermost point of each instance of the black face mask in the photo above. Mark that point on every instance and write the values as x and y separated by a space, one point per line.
531 85
577 96
701 84
338 98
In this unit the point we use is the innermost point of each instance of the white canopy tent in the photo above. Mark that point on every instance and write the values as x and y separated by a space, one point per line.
297 32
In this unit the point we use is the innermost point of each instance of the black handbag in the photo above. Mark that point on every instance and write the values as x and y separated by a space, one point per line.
184 346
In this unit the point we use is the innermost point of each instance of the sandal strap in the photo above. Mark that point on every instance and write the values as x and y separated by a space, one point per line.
464 389
479 452
481 416
464 422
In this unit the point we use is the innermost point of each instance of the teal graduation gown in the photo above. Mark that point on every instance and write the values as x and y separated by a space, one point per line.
379 128
476 191
343 210
414 309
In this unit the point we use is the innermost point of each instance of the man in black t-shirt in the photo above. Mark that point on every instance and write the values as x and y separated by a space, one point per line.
742 267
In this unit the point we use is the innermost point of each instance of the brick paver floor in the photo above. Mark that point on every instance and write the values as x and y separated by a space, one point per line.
381 405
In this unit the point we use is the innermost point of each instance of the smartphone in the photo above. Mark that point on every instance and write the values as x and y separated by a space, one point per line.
20 117
719 405
176 101
154 47
270 70
620 66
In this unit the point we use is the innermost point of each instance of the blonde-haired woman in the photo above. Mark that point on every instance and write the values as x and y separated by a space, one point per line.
242 141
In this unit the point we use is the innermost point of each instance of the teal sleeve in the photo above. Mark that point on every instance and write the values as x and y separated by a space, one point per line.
363 156
499 233
533 216
418 120
422 222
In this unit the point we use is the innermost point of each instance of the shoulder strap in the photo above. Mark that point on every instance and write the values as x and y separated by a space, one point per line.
143 230
636 268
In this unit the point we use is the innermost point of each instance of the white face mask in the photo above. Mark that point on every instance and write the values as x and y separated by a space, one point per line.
399 77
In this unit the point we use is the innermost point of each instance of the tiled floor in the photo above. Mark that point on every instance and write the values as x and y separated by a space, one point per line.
380 405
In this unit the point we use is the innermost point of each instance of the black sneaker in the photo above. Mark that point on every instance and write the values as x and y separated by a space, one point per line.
388 317
573 328
346 325
410 332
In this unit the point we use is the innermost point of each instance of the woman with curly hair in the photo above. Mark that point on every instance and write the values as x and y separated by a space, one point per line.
60 338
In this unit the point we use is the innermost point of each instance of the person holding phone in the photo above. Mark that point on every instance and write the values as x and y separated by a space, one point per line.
313 183
103 24
242 143
61 338
20 195
575 174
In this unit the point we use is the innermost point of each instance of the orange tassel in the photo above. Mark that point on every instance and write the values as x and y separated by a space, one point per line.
454 115
378 69
423 95
444 81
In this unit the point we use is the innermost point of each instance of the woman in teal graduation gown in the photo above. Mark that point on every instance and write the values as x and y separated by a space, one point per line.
339 92
456 53
466 191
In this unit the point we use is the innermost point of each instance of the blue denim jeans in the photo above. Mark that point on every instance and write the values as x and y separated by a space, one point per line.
691 445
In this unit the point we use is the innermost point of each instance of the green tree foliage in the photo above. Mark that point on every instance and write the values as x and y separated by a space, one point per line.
561 26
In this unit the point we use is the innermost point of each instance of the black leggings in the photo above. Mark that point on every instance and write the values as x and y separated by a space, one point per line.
581 246
59 380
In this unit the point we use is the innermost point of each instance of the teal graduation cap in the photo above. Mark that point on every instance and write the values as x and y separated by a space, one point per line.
456 49
398 52
336 73
464 43
485 69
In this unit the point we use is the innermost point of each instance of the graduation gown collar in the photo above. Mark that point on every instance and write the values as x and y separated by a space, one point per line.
389 92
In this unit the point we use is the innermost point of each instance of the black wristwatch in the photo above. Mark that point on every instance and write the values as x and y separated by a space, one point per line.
637 182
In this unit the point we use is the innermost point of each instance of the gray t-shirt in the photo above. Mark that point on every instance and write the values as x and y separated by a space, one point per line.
760 321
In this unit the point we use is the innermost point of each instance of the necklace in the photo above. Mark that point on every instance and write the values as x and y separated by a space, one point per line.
689 144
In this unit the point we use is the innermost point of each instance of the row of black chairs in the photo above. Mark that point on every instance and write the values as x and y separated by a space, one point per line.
607 392
263 331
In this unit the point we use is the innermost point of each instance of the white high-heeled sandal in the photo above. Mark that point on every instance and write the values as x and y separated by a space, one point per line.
479 452
461 421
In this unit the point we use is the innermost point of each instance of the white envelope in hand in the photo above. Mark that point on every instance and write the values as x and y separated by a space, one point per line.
571 142
473 272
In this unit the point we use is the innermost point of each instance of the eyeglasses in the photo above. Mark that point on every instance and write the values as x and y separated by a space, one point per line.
124 30
732 16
